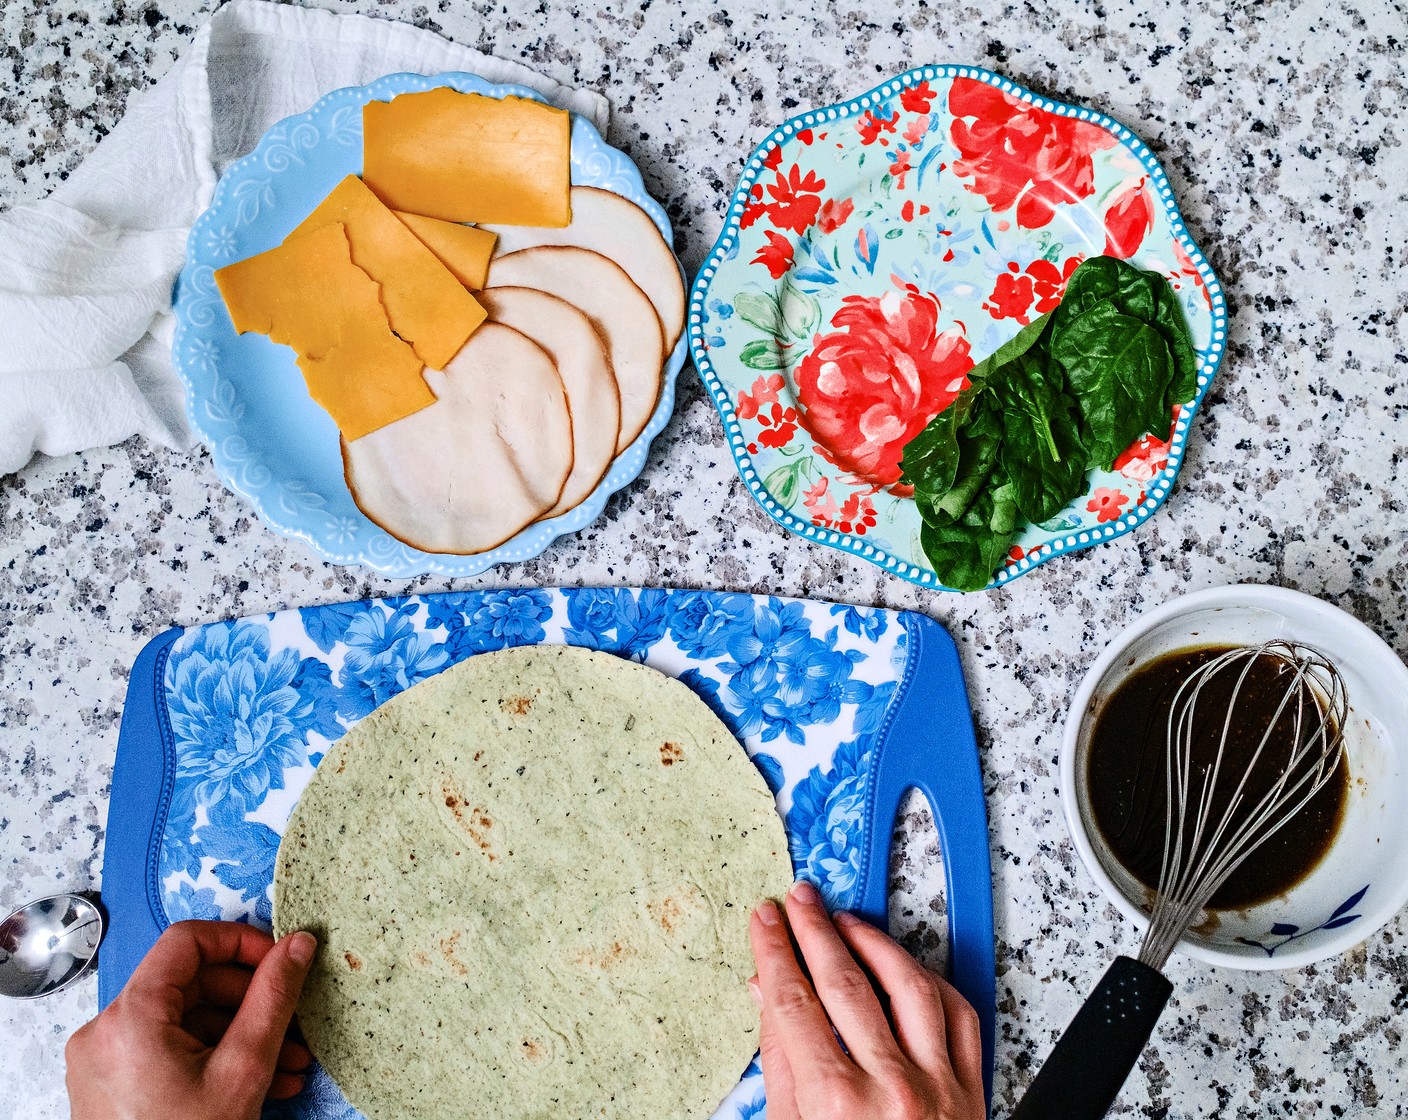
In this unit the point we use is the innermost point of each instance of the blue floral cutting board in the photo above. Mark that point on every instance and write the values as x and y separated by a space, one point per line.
843 709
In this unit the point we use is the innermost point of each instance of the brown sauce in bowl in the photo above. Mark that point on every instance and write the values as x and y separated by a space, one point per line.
1127 766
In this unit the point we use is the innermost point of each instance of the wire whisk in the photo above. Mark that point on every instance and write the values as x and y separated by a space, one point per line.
1201 848
1216 818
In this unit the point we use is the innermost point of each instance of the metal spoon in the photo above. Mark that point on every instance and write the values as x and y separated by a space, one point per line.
48 944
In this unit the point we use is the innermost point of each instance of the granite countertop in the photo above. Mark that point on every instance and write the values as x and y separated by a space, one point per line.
1281 127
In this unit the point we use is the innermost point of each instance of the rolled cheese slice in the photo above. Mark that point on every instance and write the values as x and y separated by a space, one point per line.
616 307
580 356
617 228
490 456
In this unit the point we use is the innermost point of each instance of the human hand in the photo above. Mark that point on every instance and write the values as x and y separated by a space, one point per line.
198 1032
929 1066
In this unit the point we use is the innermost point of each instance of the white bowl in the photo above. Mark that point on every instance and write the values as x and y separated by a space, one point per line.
1363 880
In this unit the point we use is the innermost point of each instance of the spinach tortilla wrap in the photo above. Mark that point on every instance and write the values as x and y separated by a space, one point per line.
531 879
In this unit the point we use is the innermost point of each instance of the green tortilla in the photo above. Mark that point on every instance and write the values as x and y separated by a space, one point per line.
531 879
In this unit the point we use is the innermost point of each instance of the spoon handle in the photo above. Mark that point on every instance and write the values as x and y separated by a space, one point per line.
1085 1070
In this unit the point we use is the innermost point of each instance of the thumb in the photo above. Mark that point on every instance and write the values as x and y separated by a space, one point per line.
254 1037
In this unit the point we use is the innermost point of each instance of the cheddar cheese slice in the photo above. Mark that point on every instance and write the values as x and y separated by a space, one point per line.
464 250
307 294
425 304
299 292
465 157
369 380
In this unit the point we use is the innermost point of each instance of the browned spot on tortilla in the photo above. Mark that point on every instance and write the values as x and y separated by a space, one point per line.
668 913
604 959
670 753
534 1050
354 962
516 705
474 820
448 946
341 765
420 960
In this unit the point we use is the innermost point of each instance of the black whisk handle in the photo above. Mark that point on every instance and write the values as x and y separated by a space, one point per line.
1084 1071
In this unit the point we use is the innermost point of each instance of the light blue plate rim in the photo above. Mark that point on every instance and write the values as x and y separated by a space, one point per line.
297 512
1210 357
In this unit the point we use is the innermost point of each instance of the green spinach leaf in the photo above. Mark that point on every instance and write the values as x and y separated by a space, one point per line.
1042 450
1072 390
1119 369
966 552
1170 323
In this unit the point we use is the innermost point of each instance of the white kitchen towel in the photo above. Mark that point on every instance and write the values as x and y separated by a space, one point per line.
86 274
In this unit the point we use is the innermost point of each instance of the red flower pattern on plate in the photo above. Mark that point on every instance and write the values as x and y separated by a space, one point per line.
917 129
870 385
1021 155
765 390
873 126
796 198
1148 455
1188 270
833 214
777 423
776 427
1106 504
1023 294
776 255
819 502
899 168
1011 296
855 514
754 208
916 99
1128 220
1049 282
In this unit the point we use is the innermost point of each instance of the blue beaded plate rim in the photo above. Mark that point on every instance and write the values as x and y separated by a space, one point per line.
304 155
1210 357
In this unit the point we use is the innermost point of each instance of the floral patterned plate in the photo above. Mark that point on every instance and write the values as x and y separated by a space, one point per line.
877 249
842 709
245 397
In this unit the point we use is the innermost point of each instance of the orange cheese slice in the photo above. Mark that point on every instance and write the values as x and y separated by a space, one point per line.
465 157
464 250
367 381
299 292
307 294
425 304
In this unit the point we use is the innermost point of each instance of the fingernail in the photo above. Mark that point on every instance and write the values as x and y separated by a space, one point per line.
803 891
767 913
845 918
755 991
301 947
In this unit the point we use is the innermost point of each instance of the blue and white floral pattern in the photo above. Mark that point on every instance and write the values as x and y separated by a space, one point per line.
254 704
1287 932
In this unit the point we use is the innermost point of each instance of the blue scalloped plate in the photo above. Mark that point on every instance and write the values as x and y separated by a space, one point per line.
245 396
894 240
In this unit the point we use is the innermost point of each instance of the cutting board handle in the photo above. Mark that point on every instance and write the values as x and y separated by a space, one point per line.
142 778
929 746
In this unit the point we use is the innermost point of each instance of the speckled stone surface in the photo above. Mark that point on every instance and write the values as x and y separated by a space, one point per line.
1282 127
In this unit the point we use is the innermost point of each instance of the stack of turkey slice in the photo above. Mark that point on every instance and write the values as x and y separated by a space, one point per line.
533 410
482 376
